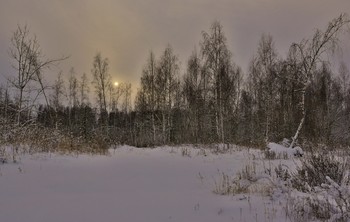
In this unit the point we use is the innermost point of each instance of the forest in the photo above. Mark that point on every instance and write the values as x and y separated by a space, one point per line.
300 96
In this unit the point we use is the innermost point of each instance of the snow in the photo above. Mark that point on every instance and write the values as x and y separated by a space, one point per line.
280 149
133 184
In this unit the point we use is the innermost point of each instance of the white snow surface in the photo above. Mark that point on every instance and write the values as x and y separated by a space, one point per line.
280 149
131 184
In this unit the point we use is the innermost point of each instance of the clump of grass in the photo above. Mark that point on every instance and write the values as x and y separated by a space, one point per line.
228 185
202 152
282 173
248 172
271 155
221 149
185 152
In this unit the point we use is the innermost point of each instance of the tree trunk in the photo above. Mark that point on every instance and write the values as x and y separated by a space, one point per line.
164 127
267 128
302 118
20 106
153 129
222 127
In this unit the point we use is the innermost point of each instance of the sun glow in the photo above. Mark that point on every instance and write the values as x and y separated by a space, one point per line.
116 83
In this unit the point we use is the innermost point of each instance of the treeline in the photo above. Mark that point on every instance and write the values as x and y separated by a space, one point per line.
278 98
297 96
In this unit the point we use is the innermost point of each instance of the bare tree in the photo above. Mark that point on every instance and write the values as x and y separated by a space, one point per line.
58 93
344 120
72 96
4 105
150 74
101 80
73 86
147 95
193 94
84 90
115 92
167 82
309 54
218 71
344 78
29 63
126 97
262 79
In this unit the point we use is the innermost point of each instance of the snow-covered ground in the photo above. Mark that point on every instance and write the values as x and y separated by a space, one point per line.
133 184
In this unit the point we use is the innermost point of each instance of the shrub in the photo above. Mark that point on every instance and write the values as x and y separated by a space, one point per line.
315 168
330 202
282 173
325 183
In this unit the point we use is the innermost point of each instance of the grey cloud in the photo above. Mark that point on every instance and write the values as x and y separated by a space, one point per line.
125 31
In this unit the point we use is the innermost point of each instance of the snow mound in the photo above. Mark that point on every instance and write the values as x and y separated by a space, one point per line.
280 149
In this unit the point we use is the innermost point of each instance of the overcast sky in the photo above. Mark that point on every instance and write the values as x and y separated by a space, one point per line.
126 30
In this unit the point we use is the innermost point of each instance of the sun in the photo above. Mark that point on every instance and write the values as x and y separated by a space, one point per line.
116 83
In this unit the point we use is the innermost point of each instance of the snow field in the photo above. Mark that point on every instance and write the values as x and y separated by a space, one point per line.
132 184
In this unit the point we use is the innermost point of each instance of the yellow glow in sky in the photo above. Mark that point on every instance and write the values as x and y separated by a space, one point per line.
116 83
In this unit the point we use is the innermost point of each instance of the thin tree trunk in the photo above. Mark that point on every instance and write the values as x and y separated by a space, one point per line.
217 124
222 126
20 106
221 115
153 102
164 127
302 118
267 128
153 129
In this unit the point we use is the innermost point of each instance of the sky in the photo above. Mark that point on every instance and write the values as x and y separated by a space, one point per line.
125 31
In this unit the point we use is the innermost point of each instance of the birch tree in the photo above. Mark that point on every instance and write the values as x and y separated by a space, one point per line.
73 87
72 96
193 94
84 90
218 69
57 95
167 82
344 78
101 81
344 83
148 88
262 79
126 97
309 54
28 63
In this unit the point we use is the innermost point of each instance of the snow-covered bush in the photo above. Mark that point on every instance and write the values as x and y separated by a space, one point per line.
339 197
282 173
330 201
322 189
33 138
278 151
315 168
247 180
